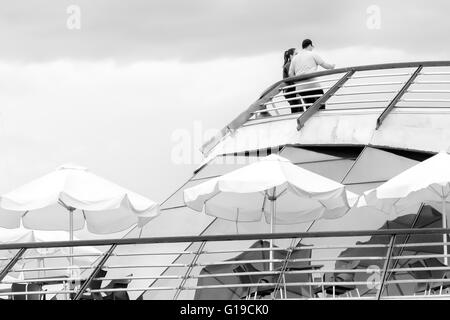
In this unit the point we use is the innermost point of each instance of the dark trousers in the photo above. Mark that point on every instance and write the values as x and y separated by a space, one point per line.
306 100
313 99
293 102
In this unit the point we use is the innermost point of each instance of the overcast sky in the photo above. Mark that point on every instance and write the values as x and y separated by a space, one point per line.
111 95
199 30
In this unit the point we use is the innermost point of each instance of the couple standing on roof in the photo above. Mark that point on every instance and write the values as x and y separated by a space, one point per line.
298 63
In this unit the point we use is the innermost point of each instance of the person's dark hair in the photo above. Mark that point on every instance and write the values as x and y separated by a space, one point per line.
306 43
287 54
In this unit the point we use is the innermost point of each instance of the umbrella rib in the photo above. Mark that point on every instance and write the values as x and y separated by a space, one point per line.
448 193
446 196
395 203
64 205
237 221
437 192
322 204
207 200
281 193
264 201
307 230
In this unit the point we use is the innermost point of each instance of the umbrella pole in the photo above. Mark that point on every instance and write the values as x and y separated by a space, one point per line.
273 213
71 239
70 284
444 226
272 216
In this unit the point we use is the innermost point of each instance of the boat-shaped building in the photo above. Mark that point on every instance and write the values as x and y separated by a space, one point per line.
369 124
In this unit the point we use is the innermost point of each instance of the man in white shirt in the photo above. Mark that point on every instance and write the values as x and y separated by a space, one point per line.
307 61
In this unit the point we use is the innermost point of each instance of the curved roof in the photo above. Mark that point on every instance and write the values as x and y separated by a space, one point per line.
401 106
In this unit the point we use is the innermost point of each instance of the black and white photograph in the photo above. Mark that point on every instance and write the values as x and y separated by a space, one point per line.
224 156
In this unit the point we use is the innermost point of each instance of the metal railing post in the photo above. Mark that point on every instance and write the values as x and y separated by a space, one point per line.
189 270
413 225
94 273
326 96
12 263
386 266
397 98
284 267
241 119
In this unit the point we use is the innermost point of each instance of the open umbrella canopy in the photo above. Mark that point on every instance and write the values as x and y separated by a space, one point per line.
44 257
374 257
213 275
245 194
426 182
43 204
5 284
427 217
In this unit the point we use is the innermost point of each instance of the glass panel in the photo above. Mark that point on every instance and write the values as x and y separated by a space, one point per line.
335 170
188 223
344 152
356 219
299 155
377 165
176 200
313 154
216 228
410 154
222 165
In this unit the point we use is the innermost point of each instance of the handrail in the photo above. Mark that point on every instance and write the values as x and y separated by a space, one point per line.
319 264
243 117
219 238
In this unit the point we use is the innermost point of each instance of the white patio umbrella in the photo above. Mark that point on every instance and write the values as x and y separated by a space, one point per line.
70 196
274 188
51 258
426 182
5 284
